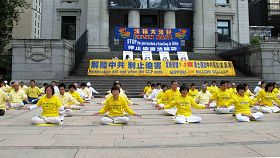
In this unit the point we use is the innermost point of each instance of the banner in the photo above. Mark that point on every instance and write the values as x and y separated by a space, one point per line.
160 68
152 33
152 45
152 4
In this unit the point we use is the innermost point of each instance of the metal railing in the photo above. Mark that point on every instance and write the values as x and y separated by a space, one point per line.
239 54
80 49
224 43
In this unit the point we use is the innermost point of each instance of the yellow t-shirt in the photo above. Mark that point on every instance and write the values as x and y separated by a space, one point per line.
24 88
242 104
233 91
160 98
122 94
212 89
221 97
6 88
192 93
160 94
77 97
266 98
67 99
3 99
116 107
183 105
9 89
147 88
33 92
203 98
275 90
42 90
17 97
50 106
169 96
248 93
87 92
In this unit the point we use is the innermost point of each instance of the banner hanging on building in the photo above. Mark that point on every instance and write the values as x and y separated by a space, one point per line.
152 33
160 68
152 45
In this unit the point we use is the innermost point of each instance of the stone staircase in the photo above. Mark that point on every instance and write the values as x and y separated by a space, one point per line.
82 68
134 85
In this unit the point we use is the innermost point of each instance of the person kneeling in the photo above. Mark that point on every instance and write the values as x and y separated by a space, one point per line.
51 106
184 103
115 105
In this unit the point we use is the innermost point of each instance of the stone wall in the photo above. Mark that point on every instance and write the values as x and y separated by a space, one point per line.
41 60
270 61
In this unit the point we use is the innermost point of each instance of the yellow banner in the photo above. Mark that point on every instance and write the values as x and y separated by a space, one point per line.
160 68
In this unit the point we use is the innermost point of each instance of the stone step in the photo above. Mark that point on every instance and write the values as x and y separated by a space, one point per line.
134 85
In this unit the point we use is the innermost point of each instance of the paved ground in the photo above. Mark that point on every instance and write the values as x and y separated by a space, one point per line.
153 135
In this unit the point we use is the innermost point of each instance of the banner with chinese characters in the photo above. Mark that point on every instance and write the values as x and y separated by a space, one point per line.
152 33
160 68
152 45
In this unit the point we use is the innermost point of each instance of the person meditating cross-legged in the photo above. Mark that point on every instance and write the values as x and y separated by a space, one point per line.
242 104
116 106
51 106
184 103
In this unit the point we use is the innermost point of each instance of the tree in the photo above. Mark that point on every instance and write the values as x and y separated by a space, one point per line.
10 11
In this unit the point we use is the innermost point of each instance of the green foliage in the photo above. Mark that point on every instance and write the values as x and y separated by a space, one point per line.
10 11
255 41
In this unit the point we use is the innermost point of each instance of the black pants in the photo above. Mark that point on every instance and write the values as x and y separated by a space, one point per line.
2 112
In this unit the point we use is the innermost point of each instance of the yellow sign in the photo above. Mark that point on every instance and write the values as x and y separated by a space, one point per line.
160 68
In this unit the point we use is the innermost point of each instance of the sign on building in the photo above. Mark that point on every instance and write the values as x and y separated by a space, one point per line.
147 55
164 56
182 56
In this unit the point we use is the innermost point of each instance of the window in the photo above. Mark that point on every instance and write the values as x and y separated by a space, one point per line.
222 1
68 27
35 31
35 22
223 27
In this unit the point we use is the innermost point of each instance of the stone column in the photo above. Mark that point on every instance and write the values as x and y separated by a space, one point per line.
243 22
134 18
169 20
98 26
104 25
198 26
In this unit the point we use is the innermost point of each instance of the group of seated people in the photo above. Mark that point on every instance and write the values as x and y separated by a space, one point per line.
226 99
178 101
55 102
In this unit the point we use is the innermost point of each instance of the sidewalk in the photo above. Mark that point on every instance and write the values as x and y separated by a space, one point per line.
154 135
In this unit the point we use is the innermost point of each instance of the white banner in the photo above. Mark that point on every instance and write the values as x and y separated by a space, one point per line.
147 55
164 56
183 56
